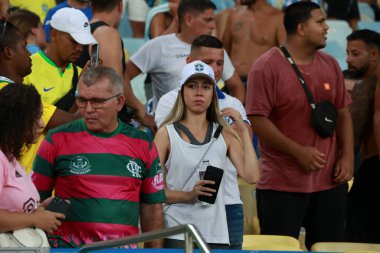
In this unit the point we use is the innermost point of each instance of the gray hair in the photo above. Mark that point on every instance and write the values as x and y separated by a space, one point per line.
94 75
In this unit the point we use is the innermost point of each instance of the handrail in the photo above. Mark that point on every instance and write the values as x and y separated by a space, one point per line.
189 230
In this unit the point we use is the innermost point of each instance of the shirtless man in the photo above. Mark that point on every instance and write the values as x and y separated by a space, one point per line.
363 58
164 56
254 30
222 17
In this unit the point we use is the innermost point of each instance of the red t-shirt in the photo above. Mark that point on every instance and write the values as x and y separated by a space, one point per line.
274 91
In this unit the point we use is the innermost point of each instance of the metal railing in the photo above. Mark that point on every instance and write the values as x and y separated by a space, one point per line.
190 231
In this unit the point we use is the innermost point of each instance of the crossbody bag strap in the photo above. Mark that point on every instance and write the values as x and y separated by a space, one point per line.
67 101
218 131
74 81
309 96
214 138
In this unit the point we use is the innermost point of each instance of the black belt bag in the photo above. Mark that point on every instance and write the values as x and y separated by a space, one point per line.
324 119
324 114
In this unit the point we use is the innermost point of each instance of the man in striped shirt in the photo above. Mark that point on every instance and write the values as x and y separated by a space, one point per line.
109 171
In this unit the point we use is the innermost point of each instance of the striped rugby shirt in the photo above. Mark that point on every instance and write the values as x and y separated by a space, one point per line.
105 177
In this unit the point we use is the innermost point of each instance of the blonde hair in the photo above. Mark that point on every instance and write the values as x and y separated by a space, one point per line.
213 112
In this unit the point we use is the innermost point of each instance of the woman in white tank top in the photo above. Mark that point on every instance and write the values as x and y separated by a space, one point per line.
188 143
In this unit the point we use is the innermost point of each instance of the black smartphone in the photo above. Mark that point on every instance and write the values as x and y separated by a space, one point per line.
213 174
58 205
94 55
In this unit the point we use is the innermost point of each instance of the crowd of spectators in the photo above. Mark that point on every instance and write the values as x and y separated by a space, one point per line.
236 85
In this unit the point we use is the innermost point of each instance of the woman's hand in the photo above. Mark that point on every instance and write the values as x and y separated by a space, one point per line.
46 202
238 124
199 189
46 220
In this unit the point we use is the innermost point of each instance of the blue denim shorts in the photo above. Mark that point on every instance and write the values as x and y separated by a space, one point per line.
235 222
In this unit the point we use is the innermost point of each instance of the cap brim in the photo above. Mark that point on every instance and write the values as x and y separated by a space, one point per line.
200 75
84 38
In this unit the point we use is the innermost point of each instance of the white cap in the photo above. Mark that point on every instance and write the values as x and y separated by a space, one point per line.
195 69
74 22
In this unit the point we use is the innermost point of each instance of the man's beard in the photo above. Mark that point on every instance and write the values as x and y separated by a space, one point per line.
359 73
320 46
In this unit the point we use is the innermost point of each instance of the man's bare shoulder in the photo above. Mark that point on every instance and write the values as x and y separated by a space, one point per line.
238 12
107 35
274 13
106 31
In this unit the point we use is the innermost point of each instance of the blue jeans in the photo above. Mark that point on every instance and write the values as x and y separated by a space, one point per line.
235 222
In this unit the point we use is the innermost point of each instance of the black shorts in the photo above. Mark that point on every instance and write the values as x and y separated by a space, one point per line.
363 211
322 214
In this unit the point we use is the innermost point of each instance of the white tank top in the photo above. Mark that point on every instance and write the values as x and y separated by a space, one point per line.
210 220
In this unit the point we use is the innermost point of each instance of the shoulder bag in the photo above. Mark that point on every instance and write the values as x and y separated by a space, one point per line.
324 114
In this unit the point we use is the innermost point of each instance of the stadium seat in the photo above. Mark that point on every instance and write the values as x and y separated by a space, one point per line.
276 3
344 247
270 242
366 12
132 45
350 183
125 28
138 87
374 26
361 251
336 41
248 196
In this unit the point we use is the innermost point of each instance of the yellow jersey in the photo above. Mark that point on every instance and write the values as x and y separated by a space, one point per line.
49 80
40 7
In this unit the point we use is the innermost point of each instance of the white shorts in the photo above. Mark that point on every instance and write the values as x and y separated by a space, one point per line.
137 10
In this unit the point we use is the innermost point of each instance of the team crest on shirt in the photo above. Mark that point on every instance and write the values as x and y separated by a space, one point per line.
80 165
134 168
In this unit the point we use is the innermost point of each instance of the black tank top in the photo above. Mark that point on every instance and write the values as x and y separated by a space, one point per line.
85 56
126 113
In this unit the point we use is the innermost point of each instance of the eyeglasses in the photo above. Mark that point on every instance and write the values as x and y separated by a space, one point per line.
96 103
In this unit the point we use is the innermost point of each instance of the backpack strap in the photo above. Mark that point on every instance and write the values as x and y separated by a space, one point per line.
67 101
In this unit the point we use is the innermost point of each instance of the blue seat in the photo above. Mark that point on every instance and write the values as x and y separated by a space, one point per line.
275 3
125 28
223 4
138 87
374 26
366 12
336 41
132 44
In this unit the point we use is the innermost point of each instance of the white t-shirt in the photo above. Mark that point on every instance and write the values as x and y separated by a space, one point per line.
163 58
165 105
